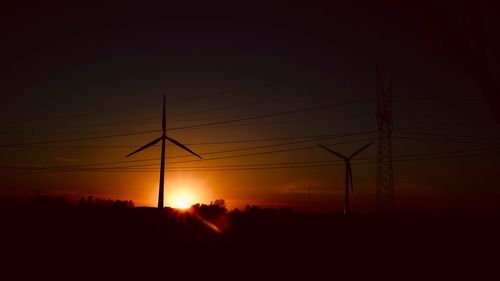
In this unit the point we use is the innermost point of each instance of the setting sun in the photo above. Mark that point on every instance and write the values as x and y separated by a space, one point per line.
182 199
183 191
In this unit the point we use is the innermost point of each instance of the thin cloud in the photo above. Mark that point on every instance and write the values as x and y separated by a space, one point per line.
65 159
306 189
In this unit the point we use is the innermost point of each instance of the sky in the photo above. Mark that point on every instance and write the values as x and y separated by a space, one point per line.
84 83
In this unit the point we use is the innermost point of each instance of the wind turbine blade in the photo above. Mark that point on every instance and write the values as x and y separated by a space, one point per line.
182 146
350 176
333 152
164 117
145 146
361 149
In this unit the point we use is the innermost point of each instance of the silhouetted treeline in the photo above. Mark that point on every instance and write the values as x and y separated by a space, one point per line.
245 240
259 211
214 209
99 202
39 200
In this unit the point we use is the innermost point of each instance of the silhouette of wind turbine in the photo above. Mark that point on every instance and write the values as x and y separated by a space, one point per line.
162 138
348 172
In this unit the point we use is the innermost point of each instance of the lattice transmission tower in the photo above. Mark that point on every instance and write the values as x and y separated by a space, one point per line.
385 195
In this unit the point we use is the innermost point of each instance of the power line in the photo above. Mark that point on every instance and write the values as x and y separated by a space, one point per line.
203 154
272 114
106 111
145 166
430 126
261 153
256 153
152 119
446 140
271 166
27 144
197 125
404 157
434 98
265 152
267 146
205 143
81 139
92 164
495 139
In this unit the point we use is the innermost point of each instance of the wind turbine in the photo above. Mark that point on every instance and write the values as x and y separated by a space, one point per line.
348 172
162 138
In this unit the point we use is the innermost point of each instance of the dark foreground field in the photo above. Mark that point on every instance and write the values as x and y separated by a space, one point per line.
69 241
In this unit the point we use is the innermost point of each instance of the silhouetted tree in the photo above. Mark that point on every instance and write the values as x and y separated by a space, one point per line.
40 200
123 204
215 212
90 201
220 202
82 202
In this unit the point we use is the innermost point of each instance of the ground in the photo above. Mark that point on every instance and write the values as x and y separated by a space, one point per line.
253 242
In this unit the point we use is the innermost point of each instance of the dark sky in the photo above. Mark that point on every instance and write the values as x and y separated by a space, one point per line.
84 70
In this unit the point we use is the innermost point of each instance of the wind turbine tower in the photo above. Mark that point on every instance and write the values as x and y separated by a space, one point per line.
162 138
385 195
348 172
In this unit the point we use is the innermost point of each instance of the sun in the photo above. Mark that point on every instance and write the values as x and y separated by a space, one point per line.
182 199
184 191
